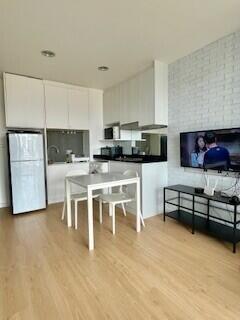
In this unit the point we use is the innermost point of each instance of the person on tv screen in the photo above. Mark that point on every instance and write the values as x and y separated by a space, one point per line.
216 157
197 155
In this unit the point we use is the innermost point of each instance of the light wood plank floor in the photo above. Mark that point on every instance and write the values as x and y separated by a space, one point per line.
47 272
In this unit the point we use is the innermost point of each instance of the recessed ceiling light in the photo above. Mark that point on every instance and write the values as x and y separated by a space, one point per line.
48 53
103 68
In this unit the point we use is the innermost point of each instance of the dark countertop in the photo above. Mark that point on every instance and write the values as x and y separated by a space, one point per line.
132 158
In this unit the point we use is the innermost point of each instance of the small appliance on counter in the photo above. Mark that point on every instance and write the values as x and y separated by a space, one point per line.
111 152
112 133
135 151
27 171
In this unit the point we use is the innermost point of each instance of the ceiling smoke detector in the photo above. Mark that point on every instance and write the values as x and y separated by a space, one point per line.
48 53
103 68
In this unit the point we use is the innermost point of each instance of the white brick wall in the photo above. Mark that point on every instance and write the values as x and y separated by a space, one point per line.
204 93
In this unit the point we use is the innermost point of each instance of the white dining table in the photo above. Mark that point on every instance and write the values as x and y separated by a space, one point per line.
98 181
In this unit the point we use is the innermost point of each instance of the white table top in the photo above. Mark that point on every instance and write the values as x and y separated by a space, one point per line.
100 178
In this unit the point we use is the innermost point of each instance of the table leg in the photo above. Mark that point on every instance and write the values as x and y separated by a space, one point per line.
234 229
90 221
68 199
164 204
178 204
208 212
193 216
138 222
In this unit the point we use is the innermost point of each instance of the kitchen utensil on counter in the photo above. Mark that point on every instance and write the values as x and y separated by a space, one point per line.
68 156
111 152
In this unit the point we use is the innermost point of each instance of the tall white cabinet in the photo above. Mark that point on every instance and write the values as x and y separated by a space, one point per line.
24 101
4 183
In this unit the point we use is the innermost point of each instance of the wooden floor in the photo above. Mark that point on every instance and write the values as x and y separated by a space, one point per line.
47 272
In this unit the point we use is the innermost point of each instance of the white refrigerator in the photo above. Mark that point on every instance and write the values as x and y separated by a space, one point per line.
27 171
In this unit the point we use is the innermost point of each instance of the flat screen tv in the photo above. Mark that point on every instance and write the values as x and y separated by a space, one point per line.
211 149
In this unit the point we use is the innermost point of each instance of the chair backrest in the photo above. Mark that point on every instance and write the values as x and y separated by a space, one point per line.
130 173
129 188
98 167
73 173
79 172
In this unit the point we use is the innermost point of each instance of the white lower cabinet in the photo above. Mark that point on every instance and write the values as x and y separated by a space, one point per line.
153 178
55 179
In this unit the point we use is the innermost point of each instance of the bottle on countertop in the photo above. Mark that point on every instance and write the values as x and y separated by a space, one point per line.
68 156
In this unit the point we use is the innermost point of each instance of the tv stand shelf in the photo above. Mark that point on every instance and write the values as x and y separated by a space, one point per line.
200 220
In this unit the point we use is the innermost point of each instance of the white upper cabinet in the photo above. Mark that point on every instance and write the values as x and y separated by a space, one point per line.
142 99
95 120
146 97
67 107
161 92
34 103
56 103
111 102
78 103
24 101
124 103
153 95
133 99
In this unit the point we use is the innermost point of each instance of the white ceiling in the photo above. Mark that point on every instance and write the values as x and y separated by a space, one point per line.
125 35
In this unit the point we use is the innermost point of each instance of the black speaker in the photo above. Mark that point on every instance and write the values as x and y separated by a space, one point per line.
164 147
199 190
234 200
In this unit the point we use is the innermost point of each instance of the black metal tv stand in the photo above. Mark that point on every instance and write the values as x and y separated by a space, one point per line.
199 220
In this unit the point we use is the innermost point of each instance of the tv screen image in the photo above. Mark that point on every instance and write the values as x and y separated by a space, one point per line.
211 149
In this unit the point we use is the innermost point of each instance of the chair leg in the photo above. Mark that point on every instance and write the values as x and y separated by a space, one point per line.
124 210
63 210
141 217
100 211
113 218
76 214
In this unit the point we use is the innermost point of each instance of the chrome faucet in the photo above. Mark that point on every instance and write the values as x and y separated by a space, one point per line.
53 147
56 151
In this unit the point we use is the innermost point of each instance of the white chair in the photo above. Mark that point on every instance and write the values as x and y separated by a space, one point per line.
77 197
121 197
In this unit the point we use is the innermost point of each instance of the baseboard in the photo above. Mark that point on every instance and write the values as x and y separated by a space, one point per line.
4 205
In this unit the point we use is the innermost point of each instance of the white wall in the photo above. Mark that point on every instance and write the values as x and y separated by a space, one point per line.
204 93
4 190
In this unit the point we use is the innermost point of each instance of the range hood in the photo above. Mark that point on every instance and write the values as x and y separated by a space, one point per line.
135 126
